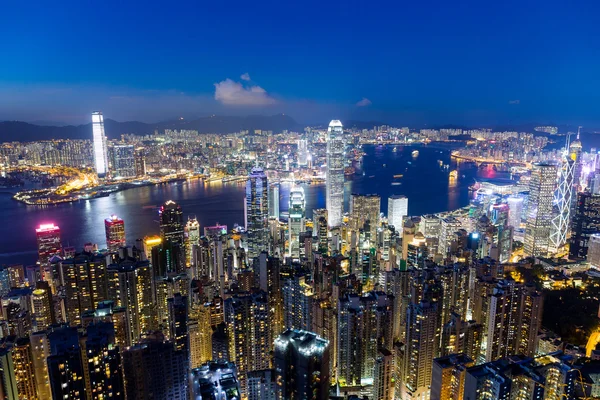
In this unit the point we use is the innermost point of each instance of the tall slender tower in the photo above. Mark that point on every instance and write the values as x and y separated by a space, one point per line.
100 150
397 211
296 220
173 236
48 241
539 212
563 200
257 212
335 173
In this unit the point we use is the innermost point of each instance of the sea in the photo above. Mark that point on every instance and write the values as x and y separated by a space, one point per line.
424 180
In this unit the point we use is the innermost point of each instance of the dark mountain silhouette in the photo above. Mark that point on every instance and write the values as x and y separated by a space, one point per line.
24 132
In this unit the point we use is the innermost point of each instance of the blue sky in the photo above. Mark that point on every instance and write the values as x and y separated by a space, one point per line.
425 62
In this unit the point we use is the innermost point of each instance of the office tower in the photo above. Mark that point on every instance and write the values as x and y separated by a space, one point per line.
297 295
192 238
84 282
215 380
65 368
249 333
140 162
257 212
539 209
575 154
172 232
586 221
178 322
593 255
363 209
99 143
320 229
335 173
103 359
155 369
274 201
383 383
40 351
397 211
130 286
422 341
42 308
301 365
123 161
448 376
296 223
365 323
302 152
48 242
448 228
515 211
564 202
115 233
262 385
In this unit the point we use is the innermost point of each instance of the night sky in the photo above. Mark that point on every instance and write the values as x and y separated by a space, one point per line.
417 62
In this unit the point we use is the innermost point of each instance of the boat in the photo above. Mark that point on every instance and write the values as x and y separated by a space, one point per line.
453 174
415 153
394 149
396 183
397 176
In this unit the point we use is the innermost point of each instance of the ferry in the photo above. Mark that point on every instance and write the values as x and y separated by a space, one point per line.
415 153
453 174
396 183
397 176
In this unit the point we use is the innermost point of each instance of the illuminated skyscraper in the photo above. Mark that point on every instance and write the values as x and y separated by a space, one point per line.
586 221
257 212
302 152
123 161
103 359
335 173
115 233
274 201
100 150
397 211
42 307
192 238
140 162
365 208
296 223
564 200
172 232
301 365
539 209
515 211
48 242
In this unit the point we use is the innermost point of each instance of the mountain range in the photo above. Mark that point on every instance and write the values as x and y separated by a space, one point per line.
25 132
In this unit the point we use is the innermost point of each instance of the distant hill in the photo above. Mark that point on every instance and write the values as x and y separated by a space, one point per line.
24 132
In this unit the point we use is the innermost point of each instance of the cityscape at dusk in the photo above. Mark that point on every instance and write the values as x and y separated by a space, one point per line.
300 201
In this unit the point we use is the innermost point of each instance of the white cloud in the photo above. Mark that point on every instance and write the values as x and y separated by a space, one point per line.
245 77
514 101
364 102
229 92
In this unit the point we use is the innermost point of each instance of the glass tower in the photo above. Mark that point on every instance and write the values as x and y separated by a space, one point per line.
100 151
335 173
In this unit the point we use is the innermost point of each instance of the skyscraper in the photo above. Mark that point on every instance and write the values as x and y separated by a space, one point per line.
365 208
335 173
515 211
397 211
192 238
539 210
302 152
301 365
115 233
274 201
586 221
257 212
123 161
296 220
564 203
100 150
172 232
48 242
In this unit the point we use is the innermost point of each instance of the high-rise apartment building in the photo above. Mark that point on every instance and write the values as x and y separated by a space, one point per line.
257 212
335 173
539 209
99 143
448 376
301 365
192 238
397 211
123 161
115 233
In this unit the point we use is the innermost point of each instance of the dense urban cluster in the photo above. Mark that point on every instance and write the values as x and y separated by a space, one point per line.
348 304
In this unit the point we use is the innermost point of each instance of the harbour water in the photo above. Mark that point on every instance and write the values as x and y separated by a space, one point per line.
425 181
